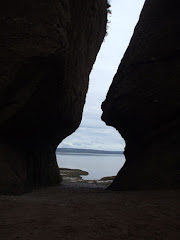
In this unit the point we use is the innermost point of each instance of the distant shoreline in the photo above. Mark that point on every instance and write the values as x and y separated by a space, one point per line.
85 151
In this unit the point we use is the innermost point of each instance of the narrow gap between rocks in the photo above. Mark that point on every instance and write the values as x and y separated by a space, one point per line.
94 167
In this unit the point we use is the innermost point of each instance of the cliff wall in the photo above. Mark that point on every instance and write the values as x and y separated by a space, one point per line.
143 102
47 50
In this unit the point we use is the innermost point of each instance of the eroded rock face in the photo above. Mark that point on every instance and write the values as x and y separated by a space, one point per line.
143 102
47 49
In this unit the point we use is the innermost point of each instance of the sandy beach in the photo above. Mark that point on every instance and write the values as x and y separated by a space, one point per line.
88 211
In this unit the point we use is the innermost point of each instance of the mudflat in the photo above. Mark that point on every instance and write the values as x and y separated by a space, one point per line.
74 211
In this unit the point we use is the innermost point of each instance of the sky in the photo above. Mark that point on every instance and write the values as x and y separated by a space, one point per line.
93 132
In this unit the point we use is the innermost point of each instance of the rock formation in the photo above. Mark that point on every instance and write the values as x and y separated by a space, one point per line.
47 49
143 102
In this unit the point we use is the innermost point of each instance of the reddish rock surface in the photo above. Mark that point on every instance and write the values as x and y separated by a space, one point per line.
47 50
143 102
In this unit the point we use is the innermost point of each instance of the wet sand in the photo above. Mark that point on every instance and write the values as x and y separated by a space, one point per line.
88 211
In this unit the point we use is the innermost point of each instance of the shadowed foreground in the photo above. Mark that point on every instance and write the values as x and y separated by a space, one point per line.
86 213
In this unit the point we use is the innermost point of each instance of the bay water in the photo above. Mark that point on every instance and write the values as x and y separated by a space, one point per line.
97 165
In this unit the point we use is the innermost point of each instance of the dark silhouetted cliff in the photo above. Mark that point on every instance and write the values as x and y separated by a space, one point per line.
47 50
143 102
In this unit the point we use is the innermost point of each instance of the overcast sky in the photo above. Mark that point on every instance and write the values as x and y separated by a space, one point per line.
93 133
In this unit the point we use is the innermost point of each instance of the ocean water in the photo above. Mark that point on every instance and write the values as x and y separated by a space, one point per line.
97 165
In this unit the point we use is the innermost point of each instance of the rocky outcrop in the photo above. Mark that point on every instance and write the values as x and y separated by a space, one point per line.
143 102
47 49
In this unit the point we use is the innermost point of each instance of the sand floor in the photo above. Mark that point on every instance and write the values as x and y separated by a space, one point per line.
75 211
